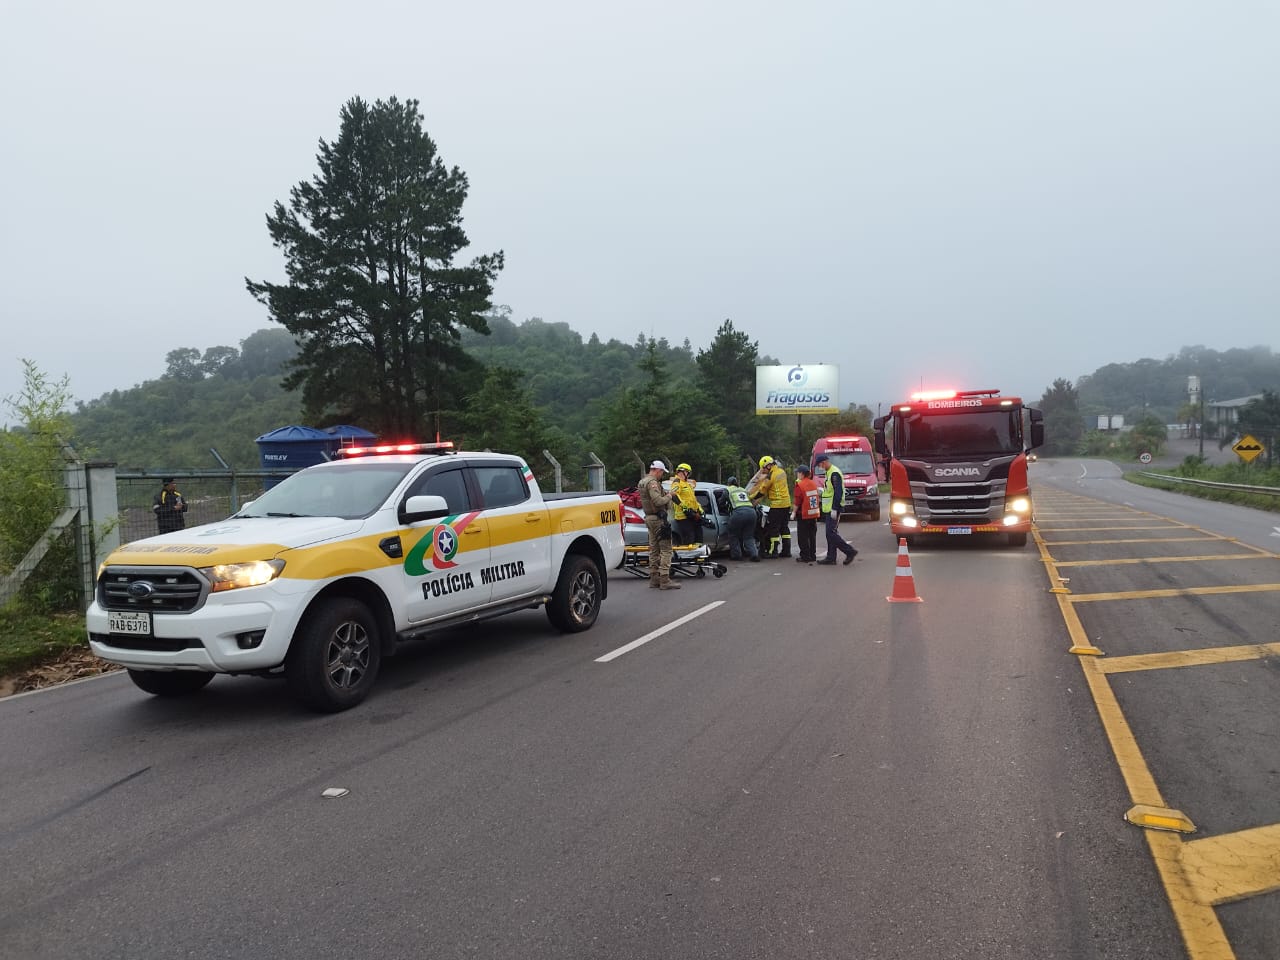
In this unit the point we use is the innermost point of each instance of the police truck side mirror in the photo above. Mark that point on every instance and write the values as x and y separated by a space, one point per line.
423 507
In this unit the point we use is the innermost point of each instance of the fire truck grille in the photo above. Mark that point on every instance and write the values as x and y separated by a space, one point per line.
959 502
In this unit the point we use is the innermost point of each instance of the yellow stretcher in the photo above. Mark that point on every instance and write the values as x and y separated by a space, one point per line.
687 560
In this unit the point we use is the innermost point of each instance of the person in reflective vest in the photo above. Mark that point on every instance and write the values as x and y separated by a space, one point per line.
742 523
831 503
808 510
687 514
169 506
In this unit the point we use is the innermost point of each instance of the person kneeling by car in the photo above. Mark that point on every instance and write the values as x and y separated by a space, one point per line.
742 523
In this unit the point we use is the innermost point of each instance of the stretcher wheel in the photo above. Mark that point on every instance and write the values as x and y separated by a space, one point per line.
701 572
719 571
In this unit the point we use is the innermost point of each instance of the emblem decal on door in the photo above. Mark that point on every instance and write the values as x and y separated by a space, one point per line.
440 545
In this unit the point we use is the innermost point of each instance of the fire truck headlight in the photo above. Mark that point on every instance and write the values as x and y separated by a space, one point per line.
910 522
900 508
1011 518
1019 505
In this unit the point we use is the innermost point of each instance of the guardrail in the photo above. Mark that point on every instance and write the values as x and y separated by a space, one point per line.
1240 487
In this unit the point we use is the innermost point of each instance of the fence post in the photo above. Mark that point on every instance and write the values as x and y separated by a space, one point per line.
555 463
595 474
104 508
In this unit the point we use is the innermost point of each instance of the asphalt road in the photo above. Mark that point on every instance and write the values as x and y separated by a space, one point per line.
800 769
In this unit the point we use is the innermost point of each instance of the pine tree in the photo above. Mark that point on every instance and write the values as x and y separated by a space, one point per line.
373 297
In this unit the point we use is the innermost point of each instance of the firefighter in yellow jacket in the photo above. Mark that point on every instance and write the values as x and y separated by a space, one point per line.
686 513
770 485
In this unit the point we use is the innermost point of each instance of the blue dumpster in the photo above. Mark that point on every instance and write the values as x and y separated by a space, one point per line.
292 448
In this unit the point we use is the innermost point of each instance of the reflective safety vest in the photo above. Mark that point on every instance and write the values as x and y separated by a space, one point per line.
775 488
808 499
683 502
830 498
738 497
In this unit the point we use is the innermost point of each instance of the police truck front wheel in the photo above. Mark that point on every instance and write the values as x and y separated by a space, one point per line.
334 658
575 604
170 683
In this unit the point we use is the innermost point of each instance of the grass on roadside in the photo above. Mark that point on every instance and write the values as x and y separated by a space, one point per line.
29 639
1225 474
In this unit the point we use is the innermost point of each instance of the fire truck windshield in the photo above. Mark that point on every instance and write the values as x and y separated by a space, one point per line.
968 434
852 463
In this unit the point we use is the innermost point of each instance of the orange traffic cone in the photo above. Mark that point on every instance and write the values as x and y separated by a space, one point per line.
904 584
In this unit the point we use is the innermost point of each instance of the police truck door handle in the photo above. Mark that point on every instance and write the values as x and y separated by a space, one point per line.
532 517
471 528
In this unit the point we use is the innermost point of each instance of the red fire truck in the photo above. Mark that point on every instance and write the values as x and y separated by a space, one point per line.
957 464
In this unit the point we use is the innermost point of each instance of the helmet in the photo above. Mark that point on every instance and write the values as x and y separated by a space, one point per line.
766 461
685 467
731 482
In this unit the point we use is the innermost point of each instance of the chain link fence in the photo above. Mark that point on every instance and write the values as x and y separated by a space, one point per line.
210 495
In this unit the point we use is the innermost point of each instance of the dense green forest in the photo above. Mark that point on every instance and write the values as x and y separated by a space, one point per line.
544 386
539 386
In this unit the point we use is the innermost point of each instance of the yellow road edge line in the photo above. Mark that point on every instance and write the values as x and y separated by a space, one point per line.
1189 658
1176 592
1234 866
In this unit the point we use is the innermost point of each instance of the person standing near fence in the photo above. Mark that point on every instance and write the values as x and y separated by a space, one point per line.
169 507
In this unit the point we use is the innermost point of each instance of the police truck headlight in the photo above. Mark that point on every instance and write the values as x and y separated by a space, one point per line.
233 576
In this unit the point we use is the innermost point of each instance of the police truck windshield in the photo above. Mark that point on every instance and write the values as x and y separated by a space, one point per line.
968 434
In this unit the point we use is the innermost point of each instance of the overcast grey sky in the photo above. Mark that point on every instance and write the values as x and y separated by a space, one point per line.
983 194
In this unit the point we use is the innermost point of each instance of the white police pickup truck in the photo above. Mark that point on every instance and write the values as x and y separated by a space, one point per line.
319 578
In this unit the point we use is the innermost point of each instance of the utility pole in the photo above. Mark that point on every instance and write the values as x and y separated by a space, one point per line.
1201 430
1197 394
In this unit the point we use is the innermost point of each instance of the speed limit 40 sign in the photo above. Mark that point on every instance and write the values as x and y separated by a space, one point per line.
1144 457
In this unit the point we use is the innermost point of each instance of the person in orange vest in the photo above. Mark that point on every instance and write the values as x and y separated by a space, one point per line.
808 510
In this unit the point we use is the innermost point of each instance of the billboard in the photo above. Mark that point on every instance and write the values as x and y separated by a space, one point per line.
797 389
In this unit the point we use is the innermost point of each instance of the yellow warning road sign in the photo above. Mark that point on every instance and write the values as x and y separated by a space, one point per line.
1247 448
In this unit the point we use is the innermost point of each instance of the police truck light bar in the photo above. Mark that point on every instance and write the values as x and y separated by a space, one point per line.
384 449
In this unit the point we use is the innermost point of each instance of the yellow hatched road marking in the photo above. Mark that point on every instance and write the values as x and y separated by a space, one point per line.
1202 932
1119 562
1234 865
1189 658
1044 529
1080 543
1176 592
